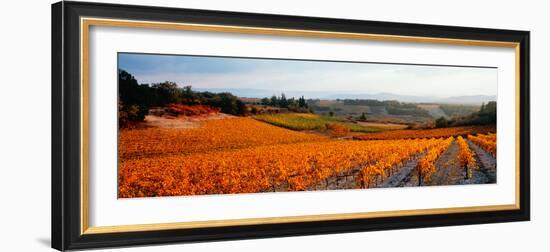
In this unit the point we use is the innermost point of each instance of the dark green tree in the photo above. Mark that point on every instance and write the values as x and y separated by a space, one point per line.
265 101
302 102
242 109
134 101
167 92
441 122
488 113
363 117
274 101
283 102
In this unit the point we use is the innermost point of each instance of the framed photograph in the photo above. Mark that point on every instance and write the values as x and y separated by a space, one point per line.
181 125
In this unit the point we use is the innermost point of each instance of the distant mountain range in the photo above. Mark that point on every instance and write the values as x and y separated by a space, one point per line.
261 93
471 99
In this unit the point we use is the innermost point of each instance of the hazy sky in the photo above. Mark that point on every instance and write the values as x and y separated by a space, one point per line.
310 76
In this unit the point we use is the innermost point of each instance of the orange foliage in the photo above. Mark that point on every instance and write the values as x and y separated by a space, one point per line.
401 151
190 110
292 167
487 142
242 155
338 129
426 165
465 155
212 135
428 133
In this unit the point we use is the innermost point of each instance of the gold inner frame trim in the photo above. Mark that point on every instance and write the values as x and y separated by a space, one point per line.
86 23
288 219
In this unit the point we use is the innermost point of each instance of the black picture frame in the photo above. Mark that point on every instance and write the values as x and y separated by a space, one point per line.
66 114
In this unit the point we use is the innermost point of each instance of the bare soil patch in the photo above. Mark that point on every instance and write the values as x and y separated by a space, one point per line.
180 122
450 172
486 162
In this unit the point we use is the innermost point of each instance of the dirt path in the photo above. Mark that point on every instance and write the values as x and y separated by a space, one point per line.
448 171
405 177
486 162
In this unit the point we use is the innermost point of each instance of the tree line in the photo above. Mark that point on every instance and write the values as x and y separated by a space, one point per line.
487 114
292 104
134 99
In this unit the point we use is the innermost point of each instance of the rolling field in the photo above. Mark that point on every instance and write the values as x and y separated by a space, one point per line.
438 132
210 135
299 121
244 155
385 126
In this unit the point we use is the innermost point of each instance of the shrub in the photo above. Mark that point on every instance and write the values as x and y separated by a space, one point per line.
177 109
338 129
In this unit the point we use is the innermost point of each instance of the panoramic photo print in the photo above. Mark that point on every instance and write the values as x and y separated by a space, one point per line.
202 125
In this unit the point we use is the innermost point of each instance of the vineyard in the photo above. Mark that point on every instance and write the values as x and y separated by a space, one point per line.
439 132
426 165
289 166
212 135
245 155
487 142
466 157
